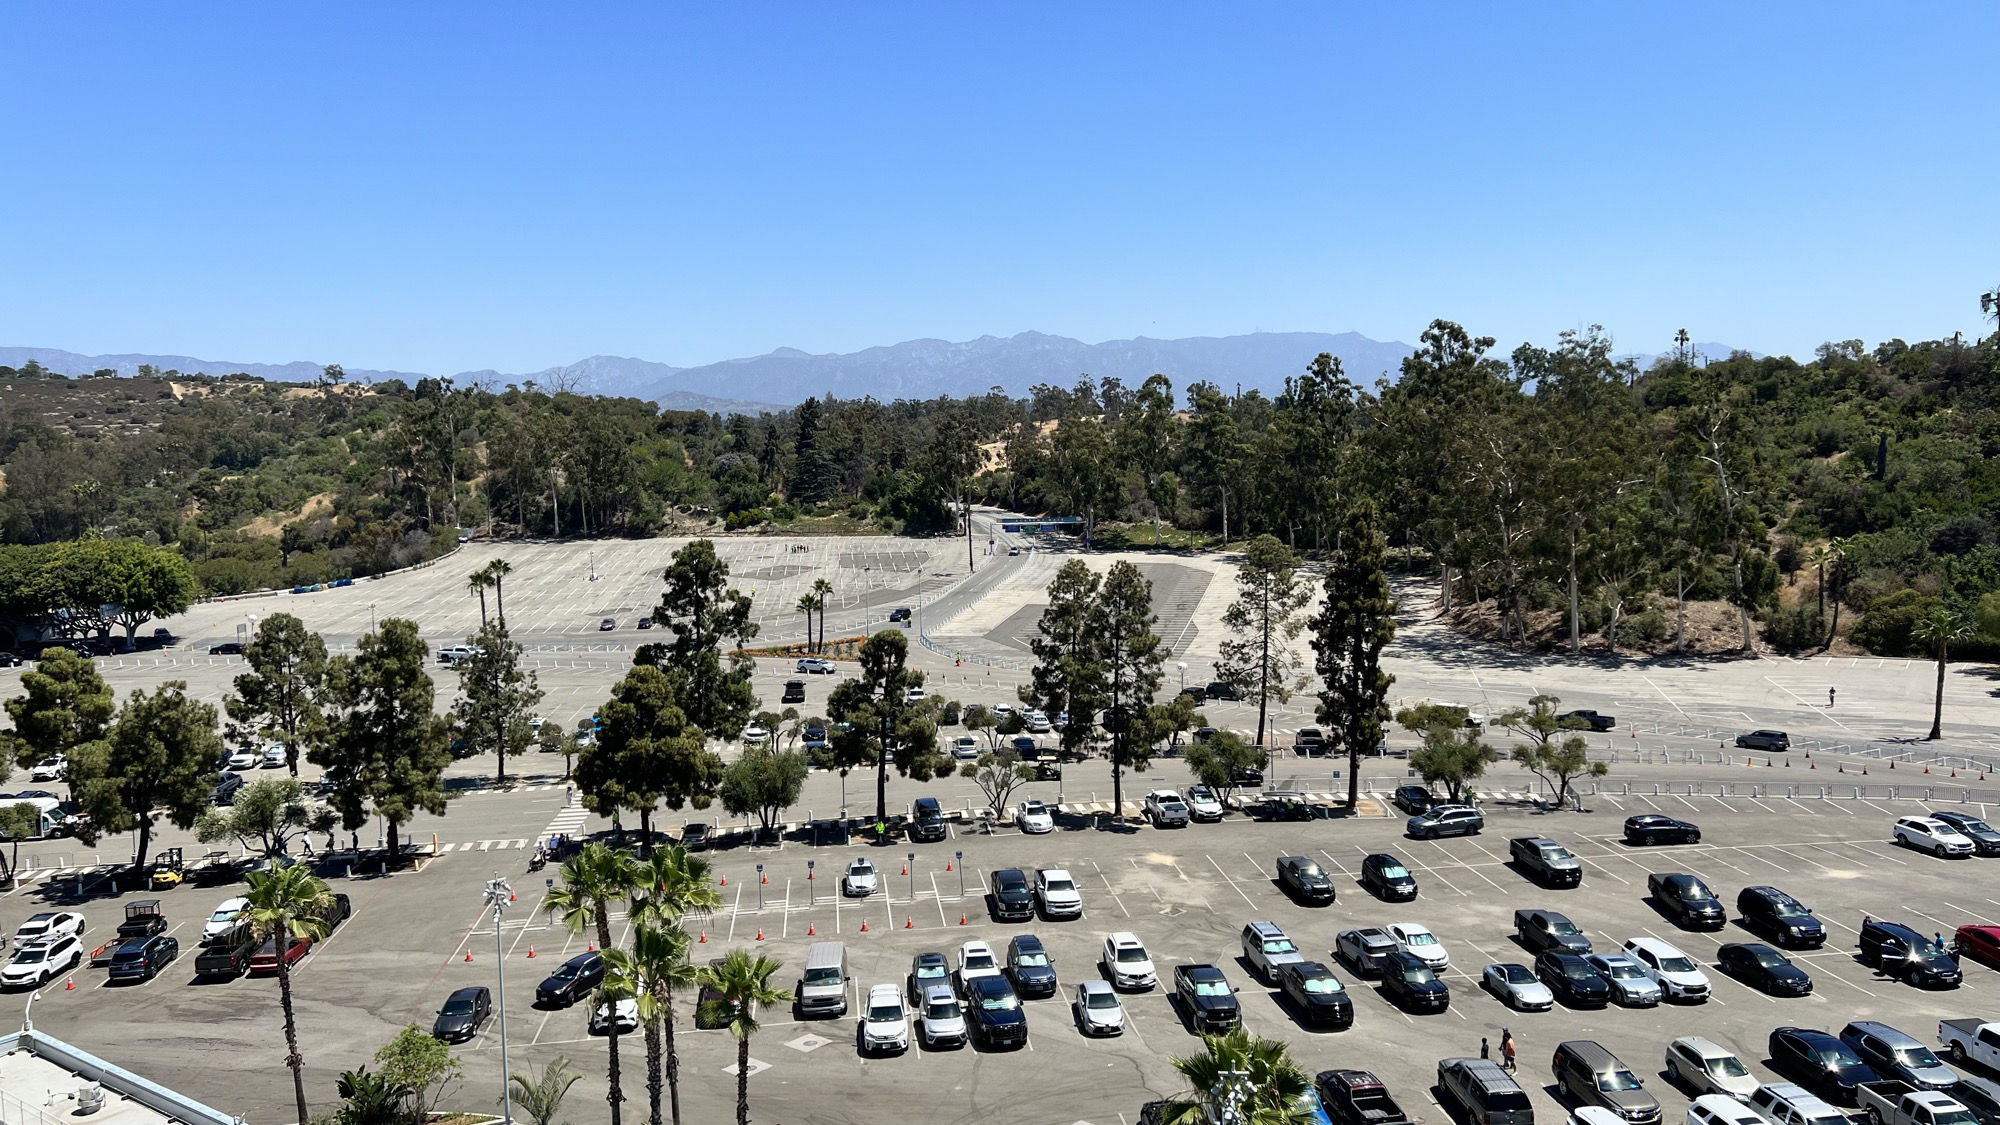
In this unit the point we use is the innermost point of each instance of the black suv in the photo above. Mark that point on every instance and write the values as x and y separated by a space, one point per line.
1687 900
1316 994
1013 899
1780 917
1770 741
1221 689
1030 967
1388 878
575 980
1409 982
1896 950
1575 981
995 1012
142 958
1304 879
1985 841
1820 1062
1652 828
1412 799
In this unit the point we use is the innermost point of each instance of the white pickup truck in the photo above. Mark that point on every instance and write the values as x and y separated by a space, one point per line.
1971 1041
1888 1102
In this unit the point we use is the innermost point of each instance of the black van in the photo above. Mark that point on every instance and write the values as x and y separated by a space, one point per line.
1780 917
926 819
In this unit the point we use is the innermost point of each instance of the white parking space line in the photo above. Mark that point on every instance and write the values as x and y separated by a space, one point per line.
1110 890
1232 883
1665 696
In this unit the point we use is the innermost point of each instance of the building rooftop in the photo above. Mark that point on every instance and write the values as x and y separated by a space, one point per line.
44 1080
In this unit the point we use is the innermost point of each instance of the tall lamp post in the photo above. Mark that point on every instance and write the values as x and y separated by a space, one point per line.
497 895
1182 665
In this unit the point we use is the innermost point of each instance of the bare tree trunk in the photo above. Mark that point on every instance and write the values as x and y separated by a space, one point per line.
1680 610
743 1082
1575 620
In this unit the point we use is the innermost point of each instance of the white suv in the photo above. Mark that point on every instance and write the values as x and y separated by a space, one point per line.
885 1026
36 963
1202 804
1127 963
1678 976
1933 836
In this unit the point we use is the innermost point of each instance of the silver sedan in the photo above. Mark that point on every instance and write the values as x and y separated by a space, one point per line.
1098 1009
1515 986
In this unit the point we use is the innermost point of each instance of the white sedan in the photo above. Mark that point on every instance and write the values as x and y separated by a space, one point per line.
860 880
1097 1008
49 924
274 756
1033 818
755 735
1421 943
622 1014
245 759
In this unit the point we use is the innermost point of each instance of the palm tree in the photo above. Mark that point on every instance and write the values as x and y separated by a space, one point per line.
539 1098
1256 1076
285 903
1943 627
496 573
1818 558
592 880
476 583
1836 562
672 885
822 592
371 1099
649 972
742 984
806 606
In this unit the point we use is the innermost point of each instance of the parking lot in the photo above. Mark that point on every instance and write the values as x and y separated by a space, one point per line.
1814 821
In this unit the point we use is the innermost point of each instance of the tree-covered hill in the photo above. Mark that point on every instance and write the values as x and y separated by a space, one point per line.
1569 496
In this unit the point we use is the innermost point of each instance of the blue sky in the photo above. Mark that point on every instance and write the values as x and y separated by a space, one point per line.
436 188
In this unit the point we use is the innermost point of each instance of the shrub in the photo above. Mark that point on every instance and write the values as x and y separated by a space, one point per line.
1886 626
1795 628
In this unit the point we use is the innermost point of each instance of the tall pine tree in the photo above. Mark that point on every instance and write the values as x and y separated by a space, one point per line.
1356 621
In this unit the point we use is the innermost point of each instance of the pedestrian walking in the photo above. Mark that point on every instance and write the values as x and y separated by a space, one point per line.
1507 1049
1484 1053
1829 699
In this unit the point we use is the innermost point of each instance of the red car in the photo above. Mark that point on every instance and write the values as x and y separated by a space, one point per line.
266 958
1981 943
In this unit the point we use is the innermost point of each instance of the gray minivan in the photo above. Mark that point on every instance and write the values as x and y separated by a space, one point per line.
1591 1075
823 987
1485 1092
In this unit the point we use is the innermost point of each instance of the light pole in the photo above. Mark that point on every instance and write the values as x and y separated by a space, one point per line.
371 617
1182 665
497 894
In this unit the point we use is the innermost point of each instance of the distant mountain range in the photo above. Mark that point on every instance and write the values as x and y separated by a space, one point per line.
911 369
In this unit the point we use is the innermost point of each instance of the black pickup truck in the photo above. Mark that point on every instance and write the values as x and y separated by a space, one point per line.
1357 1097
227 956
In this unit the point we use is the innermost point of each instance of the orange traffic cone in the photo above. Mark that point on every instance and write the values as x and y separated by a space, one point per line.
69 985
947 865
725 880
1927 769
531 951
909 924
468 955
703 939
510 896
864 927
906 869
810 931
592 949
760 935
767 878
961 919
